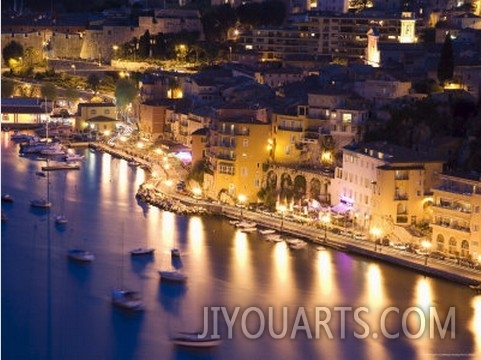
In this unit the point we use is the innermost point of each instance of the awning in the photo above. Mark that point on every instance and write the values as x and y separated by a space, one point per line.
341 208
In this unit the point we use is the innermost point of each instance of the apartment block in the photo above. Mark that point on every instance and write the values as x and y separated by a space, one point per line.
456 220
381 185
237 149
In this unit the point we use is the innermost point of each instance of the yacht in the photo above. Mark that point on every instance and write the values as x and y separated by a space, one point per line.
142 251
127 299
172 275
194 340
41 203
7 198
175 252
74 157
61 220
80 255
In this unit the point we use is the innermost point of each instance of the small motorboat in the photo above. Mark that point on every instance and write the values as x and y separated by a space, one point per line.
267 231
274 238
41 204
7 198
476 288
127 299
175 252
296 244
80 255
142 251
61 220
4 217
74 157
248 229
246 224
172 275
194 340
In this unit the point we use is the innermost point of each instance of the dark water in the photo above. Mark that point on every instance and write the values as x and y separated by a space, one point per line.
56 309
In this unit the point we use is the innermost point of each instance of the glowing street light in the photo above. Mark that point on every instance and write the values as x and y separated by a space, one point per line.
74 68
326 219
376 234
197 191
282 209
242 199
426 245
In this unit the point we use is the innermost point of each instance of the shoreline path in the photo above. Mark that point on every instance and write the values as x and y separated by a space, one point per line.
159 190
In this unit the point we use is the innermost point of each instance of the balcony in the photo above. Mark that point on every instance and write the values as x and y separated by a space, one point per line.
227 144
453 206
226 157
455 190
243 132
401 197
457 227
290 128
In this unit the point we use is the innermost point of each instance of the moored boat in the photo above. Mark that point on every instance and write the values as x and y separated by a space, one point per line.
142 251
61 219
175 252
172 275
267 231
127 299
41 203
74 157
80 255
194 340
7 198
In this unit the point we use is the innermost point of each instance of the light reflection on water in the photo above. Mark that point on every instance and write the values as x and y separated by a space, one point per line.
225 268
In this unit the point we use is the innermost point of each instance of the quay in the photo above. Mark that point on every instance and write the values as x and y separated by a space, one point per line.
166 199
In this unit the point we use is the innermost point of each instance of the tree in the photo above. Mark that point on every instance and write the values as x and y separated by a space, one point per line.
93 81
13 50
8 88
125 92
72 95
446 61
144 45
49 91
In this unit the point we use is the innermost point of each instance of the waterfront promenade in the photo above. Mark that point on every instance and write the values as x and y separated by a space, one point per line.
446 269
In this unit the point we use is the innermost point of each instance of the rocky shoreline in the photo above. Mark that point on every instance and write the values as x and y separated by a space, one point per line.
148 194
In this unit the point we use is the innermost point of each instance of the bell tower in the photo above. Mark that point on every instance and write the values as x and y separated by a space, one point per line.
408 27
373 56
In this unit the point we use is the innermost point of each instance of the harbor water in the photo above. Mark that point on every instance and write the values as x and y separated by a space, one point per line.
53 308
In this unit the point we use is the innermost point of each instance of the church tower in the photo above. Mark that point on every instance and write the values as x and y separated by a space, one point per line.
408 26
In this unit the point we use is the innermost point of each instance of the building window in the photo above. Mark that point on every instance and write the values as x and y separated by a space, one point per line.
93 112
347 118
244 171
245 142
106 112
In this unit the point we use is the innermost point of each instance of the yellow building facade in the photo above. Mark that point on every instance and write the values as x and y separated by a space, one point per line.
237 150
456 220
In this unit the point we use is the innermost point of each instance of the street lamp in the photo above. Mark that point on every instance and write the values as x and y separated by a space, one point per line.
197 193
376 234
282 209
242 199
74 68
426 245
326 219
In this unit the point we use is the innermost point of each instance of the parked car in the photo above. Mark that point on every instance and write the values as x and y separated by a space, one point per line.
347 233
335 230
437 255
399 246
360 236
385 242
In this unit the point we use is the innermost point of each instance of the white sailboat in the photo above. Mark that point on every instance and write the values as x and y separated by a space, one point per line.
122 297
194 339
43 203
